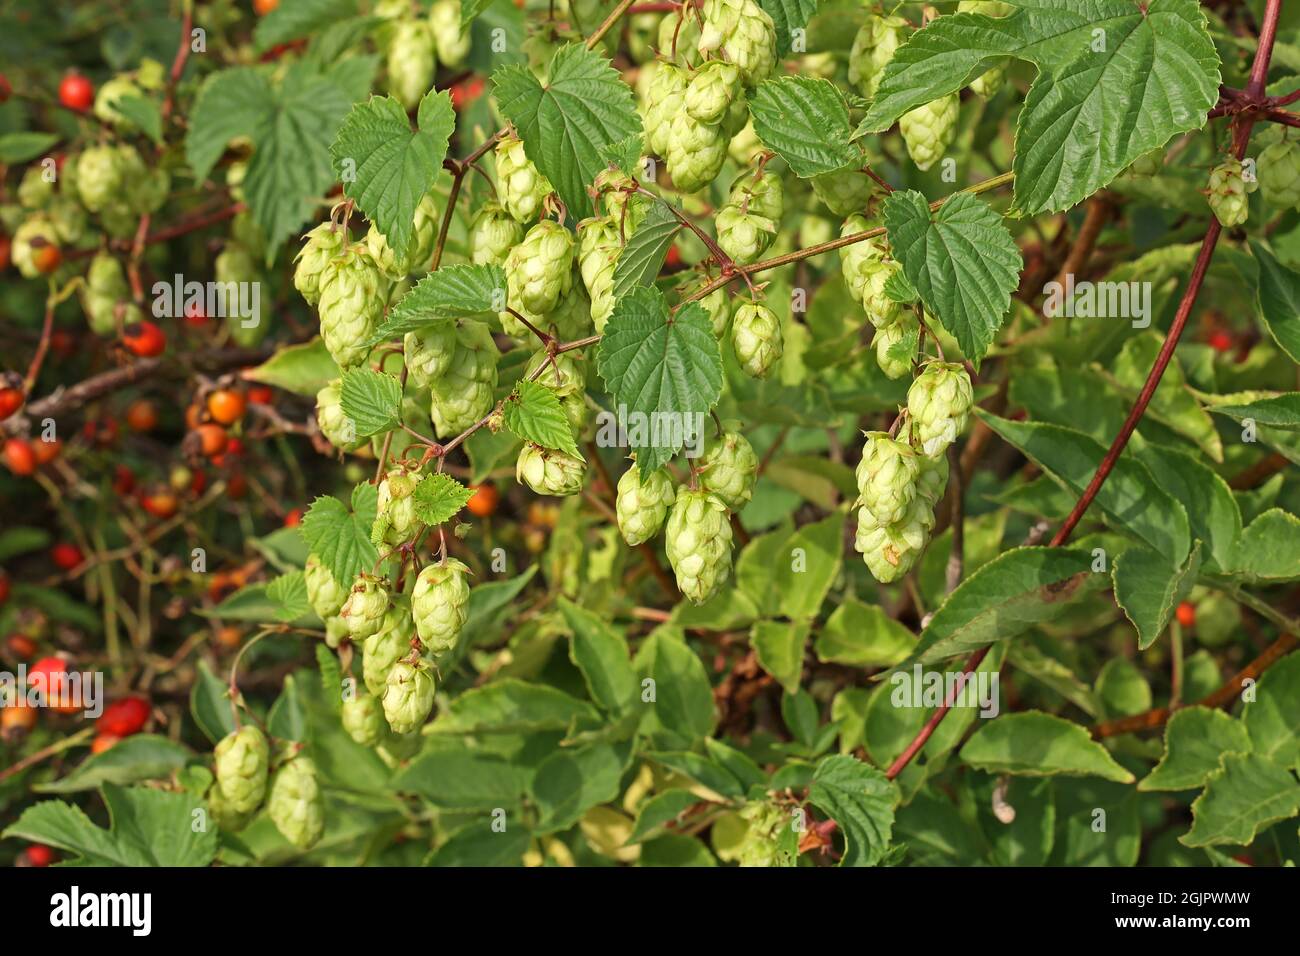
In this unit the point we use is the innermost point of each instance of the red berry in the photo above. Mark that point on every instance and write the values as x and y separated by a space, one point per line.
11 399
19 457
40 676
123 480
103 742
4 588
20 646
293 518
144 339
66 556
1186 614
46 451
5 246
141 416
46 257
195 316
261 395
466 92
63 343
124 717
212 439
40 855
5 88
1221 341
76 92
160 503
674 257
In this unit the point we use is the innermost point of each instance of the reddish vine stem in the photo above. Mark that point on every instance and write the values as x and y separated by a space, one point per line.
178 63
1244 122
172 232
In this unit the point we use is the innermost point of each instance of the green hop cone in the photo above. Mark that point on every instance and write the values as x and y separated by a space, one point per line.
762 842
36 232
424 237
873 48
698 542
939 402
34 190
599 246
336 632
743 236
894 359
759 192
728 469
451 41
845 192
988 83
695 153
1148 164
932 480
540 269
464 393
365 606
679 34
241 761
711 90
886 477
296 805
225 816
890 550
549 471
235 264
756 338
615 188
642 504
440 605
492 234
572 317
428 351
150 190
740 32
665 100
882 311
395 507
363 719
408 696
410 62
1227 194
859 259
350 305
68 219
385 648
745 146
930 129
321 244
106 286
1279 174
520 186
106 100
337 427
718 304
382 254
565 374
324 593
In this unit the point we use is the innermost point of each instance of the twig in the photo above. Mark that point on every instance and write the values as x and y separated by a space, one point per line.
956 559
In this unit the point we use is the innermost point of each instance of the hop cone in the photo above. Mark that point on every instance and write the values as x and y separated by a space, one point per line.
565 374
873 47
539 269
336 632
1279 174
34 190
761 846
744 236
350 305
549 471
760 193
1227 194
424 238
756 337
679 34
572 317
665 101
989 82
882 311
928 130
68 219
395 512
35 231
894 365
323 592
464 394
105 287
612 185
698 542
642 504
891 550
492 234
599 245
223 813
844 192
363 719
521 187
410 63
695 153
337 428
887 477
383 649
115 89
241 760
741 32
428 352
745 145
365 606
452 42
383 256
939 402
858 260
408 696
440 604
728 469
711 90
322 244
718 304
296 806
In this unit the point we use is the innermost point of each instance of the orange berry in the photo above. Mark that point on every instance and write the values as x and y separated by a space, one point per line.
144 339
103 742
226 406
11 399
47 258
1186 614
19 456
212 439
484 502
141 416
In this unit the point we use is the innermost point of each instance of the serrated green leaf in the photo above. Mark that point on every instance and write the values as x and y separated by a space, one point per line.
1130 497
372 400
600 652
1269 549
683 700
1148 588
1273 717
302 369
510 706
863 635
664 367
585 105
643 255
22 147
1212 511
388 168
210 704
788 16
135 758
1246 794
331 677
454 291
1196 739
1035 744
1277 300
533 412
1280 411
289 592
862 801
439 498
465 780
805 120
144 113
1093 109
340 538
961 260
299 18
287 719
898 288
